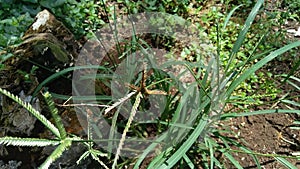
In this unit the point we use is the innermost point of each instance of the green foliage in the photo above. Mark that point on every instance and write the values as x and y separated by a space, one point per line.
292 10
169 160
178 7
13 27
258 40
81 17
54 113
50 4
286 163
242 50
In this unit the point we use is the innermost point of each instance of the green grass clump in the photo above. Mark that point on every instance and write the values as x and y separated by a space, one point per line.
193 116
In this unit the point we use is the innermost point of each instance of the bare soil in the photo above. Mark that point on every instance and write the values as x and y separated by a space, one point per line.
266 134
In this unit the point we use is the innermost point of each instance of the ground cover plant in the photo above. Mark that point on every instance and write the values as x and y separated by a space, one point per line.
237 81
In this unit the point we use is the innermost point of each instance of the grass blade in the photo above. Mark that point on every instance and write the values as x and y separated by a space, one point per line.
149 149
285 163
61 73
188 161
243 32
229 16
259 112
258 65
291 102
232 159
186 145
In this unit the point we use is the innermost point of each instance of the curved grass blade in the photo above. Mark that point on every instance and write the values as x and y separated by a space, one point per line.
186 145
227 140
232 159
211 151
258 65
243 32
285 163
229 16
159 158
61 73
149 149
291 102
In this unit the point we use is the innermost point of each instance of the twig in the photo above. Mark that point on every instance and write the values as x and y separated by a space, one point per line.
82 104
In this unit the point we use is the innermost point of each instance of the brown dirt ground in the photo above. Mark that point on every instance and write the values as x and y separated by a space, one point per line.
265 134
268 134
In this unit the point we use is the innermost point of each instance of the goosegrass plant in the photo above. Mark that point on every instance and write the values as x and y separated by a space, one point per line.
58 130
200 125
203 127
202 122
259 39
61 139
